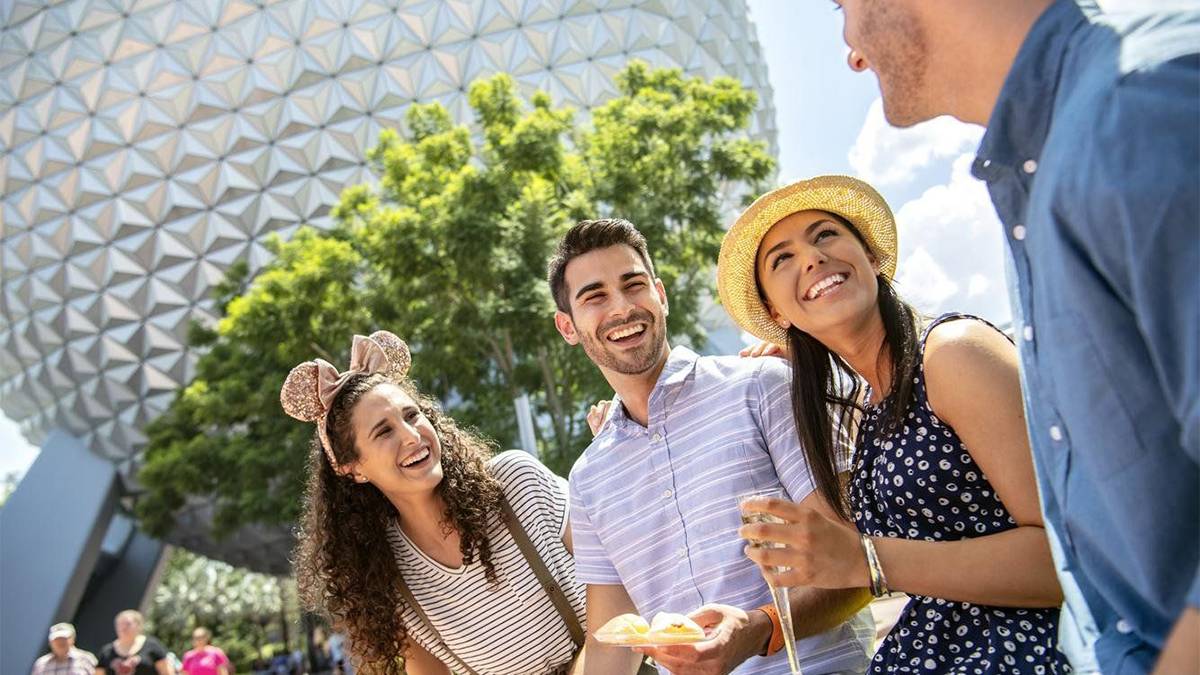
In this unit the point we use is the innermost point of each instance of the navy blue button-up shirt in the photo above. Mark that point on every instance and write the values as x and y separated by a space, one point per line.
1092 158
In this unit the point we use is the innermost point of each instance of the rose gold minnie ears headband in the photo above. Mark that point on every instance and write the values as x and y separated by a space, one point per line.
312 386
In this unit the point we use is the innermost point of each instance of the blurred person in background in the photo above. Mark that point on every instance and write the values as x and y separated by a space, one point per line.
204 658
64 658
133 652
320 656
340 654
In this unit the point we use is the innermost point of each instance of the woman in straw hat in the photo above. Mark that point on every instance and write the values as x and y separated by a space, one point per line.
417 542
941 493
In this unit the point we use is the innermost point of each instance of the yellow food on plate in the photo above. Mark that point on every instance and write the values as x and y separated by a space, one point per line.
631 630
624 629
668 628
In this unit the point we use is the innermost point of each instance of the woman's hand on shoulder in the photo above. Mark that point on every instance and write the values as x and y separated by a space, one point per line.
764 349
596 415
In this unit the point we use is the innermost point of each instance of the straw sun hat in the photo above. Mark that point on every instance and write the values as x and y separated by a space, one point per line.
850 198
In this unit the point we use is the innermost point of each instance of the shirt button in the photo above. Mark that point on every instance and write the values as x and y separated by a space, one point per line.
667 494
682 553
1028 333
1124 627
1056 433
657 437
1029 166
1018 232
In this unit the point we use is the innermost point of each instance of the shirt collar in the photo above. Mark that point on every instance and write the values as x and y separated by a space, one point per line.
680 364
1020 121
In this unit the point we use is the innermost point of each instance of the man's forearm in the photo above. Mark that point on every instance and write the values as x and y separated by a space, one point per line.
817 610
577 667
605 601
600 659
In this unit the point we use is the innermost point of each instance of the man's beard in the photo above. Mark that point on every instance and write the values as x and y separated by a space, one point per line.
627 362
900 64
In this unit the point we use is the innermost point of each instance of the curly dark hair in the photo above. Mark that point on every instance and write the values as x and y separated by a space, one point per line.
343 562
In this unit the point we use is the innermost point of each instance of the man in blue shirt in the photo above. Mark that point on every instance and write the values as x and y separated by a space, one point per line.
1092 159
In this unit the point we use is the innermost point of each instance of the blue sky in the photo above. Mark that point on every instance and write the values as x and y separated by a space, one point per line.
830 121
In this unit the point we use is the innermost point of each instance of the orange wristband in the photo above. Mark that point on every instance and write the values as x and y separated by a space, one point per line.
776 641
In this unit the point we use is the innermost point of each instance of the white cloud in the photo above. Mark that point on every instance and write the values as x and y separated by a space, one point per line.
883 154
952 249
978 285
923 282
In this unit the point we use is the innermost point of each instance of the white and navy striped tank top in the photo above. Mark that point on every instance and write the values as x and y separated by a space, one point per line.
512 628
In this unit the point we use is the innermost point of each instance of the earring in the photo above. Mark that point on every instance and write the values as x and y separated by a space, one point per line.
359 478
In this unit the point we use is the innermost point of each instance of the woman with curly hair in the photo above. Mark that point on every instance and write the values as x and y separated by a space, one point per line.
416 541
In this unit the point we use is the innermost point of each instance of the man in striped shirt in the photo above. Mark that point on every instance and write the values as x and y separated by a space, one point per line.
64 658
654 511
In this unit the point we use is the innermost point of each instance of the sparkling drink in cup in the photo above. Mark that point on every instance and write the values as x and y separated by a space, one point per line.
779 594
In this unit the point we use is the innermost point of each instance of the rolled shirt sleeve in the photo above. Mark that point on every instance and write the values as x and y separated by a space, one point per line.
773 388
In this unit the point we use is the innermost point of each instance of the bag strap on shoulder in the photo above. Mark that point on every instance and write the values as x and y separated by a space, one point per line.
549 585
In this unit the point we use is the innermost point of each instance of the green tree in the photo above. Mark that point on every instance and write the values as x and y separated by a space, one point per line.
243 609
449 251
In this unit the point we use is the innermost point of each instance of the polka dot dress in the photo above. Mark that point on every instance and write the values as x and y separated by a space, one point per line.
919 482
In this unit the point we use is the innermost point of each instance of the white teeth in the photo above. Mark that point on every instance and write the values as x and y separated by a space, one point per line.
823 285
626 332
415 458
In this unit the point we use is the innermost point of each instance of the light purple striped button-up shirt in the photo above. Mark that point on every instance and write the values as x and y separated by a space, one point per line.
655 508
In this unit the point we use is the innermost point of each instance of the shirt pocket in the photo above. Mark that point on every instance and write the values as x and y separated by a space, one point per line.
710 506
1102 432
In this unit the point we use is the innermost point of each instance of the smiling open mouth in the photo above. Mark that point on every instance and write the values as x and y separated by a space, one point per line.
825 286
417 459
627 334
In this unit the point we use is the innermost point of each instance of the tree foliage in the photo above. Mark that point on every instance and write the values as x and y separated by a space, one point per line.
449 252
242 609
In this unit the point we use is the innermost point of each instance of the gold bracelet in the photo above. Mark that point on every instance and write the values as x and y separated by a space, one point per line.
879 587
